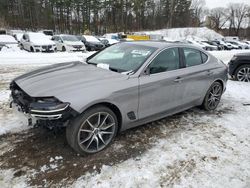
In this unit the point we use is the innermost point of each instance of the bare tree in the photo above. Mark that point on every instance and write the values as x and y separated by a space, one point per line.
198 7
238 13
219 17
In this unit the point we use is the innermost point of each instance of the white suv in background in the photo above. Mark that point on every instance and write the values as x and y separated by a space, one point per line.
37 42
69 43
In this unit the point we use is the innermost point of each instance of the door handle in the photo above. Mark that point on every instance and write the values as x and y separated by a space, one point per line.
178 79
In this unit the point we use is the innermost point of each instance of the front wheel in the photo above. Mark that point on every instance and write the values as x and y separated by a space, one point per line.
213 96
93 130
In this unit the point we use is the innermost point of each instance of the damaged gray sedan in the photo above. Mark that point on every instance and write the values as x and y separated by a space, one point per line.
123 86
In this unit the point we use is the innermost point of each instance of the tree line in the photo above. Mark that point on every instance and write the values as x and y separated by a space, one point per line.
102 16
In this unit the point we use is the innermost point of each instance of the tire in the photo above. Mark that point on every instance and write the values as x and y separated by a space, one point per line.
63 49
213 96
21 47
32 49
242 73
92 131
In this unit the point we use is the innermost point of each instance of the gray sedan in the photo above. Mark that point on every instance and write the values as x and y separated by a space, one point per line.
123 86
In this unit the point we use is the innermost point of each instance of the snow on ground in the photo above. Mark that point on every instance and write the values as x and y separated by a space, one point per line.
212 151
24 57
199 150
183 33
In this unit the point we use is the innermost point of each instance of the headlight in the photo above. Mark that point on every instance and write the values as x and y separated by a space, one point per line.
48 105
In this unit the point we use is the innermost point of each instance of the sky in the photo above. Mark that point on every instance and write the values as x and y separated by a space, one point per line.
223 3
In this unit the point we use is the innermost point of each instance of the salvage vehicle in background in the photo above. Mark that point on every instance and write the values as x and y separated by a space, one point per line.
239 67
123 86
69 43
92 43
8 41
37 42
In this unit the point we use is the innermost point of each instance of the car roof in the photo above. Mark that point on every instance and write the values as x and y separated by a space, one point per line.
160 44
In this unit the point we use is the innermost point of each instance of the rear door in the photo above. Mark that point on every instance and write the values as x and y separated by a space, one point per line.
160 87
197 75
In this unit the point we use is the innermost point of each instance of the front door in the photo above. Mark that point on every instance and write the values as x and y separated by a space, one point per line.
160 89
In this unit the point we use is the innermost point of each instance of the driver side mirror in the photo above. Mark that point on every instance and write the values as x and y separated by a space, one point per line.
147 71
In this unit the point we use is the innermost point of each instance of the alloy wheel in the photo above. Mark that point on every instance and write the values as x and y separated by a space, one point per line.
214 96
96 132
243 74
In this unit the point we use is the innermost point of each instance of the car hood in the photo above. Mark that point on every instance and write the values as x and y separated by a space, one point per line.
41 42
74 43
59 79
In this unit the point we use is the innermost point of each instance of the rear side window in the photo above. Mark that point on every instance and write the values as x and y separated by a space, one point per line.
194 57
204 57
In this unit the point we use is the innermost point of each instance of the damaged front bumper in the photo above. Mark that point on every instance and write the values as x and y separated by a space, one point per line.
45 110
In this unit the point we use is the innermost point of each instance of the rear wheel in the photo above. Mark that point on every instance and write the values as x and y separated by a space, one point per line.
93 130
243 73
213 96
32 49
63 49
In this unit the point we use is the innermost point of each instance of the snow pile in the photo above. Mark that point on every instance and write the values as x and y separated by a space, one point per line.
24 57
176 34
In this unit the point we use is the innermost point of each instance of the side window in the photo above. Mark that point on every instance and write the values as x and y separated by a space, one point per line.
204 57
193 57
167 60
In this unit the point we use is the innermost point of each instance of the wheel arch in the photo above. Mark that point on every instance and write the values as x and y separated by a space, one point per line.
112 107
242 62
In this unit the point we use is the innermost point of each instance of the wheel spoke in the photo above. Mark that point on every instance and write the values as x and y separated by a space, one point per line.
90 124
106 132
101 138
103 122
85 140
99 119
97 142
92 139
108 126
86 130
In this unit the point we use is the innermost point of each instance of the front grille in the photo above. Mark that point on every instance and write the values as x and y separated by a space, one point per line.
46 47
77 46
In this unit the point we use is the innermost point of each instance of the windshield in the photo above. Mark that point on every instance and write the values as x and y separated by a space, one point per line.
70 38
91 38
37 36
122 57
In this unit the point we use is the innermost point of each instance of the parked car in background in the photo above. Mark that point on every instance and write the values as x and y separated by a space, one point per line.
69 43
239 44
92 43
197 44
47 32
239 67
223 45
37 42
3 32
219 46
8 41
123 86
209 46
103 41
17 34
